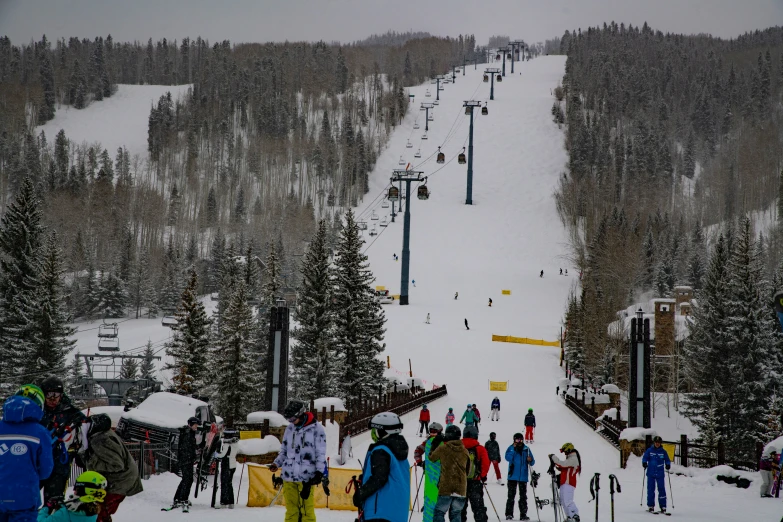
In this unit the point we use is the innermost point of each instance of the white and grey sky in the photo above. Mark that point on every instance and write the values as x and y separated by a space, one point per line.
349 20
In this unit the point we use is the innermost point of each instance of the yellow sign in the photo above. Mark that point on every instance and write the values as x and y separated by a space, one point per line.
380 288
523 340
670 450
506 292
498 385
249 435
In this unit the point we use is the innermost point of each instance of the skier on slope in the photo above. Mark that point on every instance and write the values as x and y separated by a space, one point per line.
456 295
424 420
466 324
302 457
493 451
450 417
428 318
469 417
495 407
431 469
478 468
569 468
656 461
490 302
542 274
519 458
385 484
767 466
530 425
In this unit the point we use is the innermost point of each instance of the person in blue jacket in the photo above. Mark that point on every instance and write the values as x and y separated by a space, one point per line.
25 455
385 482
519 458
656 461
495 407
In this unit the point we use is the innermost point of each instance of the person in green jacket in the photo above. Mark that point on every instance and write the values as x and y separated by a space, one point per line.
431 471
469 417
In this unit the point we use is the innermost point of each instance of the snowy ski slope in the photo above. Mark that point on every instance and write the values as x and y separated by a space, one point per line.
501 242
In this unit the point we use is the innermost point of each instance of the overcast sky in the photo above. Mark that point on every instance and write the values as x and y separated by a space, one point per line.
349 20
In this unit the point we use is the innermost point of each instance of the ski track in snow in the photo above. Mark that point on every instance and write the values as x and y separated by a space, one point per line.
501 242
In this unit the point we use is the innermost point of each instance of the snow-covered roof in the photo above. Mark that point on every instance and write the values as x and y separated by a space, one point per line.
663 300
268 444
114 412
610 388
622 326
683 288
637 433
275 419
328 402
165 409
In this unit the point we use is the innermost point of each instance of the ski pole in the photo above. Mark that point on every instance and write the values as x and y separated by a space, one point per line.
416 480
490 501
240 480
671 492
612 480
417 497
595 481
641 497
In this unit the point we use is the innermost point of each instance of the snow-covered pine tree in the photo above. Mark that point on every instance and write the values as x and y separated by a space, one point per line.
114 296
359 319
574 338
772 422
130 369
710 436
251 274
236 378
314 362
189 346
147 366
21 238
51 334
271 288
169 288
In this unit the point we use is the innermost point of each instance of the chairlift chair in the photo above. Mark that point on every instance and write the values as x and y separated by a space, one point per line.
418 154
169 319
393 194
423 192
373 232
441 157
427 93
385 204
374 216
497 56
109 344
461 157
486 79
384 222
424 136
435 102
484 110
362 225
409 145
108 330
499 78
402 161
416 125
508 56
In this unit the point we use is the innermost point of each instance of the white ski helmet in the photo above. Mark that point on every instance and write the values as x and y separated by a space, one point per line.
386 423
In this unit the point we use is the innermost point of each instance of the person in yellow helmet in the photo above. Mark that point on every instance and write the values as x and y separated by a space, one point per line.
82 505
569 468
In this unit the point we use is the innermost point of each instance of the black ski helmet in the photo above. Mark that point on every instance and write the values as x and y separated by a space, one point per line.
52 384
192 421
452 433
657 438
470 432
492 436
293 409
518 436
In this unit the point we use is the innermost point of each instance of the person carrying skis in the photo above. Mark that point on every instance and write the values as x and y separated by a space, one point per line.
229 448
530 425
186 459
495 407
493 452
656 461
452 486
302 457
569 468
431 469
469 417
84 504
105 453
27 459
478 468
450 417
385 484
767 467
424 420
59 415
519 458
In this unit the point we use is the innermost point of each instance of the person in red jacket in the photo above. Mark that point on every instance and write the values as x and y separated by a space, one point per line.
424 421
478 468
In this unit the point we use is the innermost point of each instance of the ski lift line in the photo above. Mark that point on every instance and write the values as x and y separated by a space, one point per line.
383 229
97 327
451 129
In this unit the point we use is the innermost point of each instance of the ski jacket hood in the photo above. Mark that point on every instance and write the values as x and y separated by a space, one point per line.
108 456
517 462
303 451
453 458
27 457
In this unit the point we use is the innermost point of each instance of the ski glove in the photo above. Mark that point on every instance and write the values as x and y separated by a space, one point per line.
644 465
668 467
305 493
317 478
357 498
273 467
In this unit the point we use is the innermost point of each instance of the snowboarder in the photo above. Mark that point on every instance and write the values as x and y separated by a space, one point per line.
490 302
530 425
431 469
428 318
58 416
519 458
105 453
466 325
542 274
493 451
385 488
452 486
561 271
186 459
569 468
469 417
478 468
302 457
450 417
28 457
229 448
655 459
424 420
767 466
495 407
84 504
456 295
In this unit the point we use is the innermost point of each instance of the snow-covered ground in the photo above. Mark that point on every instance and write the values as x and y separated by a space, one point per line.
503 241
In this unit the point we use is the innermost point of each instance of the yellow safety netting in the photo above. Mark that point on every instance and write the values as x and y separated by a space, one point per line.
524 340
261 491
506 292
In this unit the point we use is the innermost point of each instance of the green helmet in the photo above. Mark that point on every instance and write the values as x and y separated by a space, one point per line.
90 487
32 392
530 410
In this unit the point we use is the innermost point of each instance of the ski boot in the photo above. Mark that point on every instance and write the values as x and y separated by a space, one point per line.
509 517
651 509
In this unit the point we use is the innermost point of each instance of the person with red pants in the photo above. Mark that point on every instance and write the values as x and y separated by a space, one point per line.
530 425
424 421
493 451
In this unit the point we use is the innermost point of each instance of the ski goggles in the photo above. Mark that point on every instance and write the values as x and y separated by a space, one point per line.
53 395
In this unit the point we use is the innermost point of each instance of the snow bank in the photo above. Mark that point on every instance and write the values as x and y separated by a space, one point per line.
563 383
275 419
637 433
114 412
415 382
328 402
776 445
268 444
164 409
332 430
576 382
611 413
600 398
610 388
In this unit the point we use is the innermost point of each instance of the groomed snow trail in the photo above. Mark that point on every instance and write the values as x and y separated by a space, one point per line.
503 241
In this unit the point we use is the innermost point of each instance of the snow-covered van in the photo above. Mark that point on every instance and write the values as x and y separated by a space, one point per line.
383 297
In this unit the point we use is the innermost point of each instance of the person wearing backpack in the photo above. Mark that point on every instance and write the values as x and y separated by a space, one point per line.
452 485
493 450
478 467
519 458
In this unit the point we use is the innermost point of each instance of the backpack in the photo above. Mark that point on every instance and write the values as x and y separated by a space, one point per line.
473 467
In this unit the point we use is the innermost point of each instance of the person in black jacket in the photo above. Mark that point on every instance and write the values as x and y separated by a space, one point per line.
493 450
186 459
530 425
59 417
